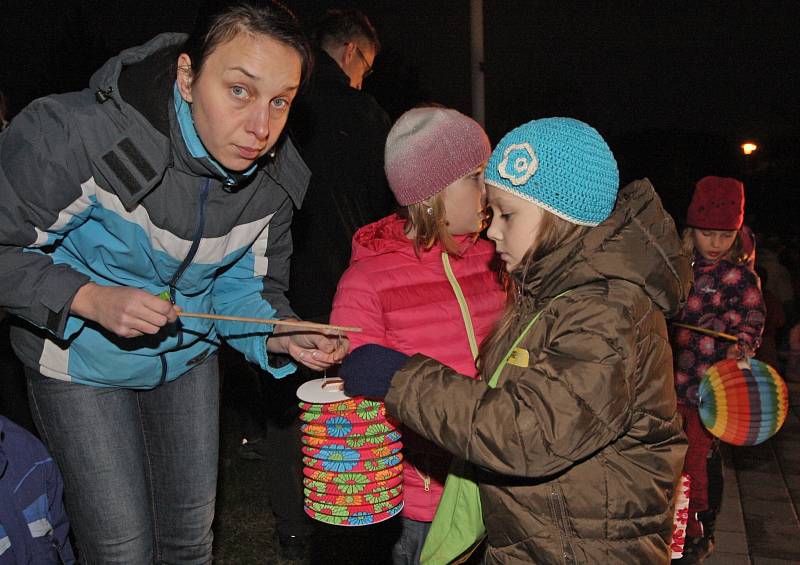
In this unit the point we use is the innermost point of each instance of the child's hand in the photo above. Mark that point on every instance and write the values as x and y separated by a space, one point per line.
369 369
740 351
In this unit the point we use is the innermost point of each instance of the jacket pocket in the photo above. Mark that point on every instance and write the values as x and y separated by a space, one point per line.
560 516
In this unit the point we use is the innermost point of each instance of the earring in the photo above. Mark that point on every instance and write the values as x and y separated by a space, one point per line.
429 211
271 153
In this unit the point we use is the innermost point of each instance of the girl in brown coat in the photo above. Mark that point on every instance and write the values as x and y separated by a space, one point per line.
578 446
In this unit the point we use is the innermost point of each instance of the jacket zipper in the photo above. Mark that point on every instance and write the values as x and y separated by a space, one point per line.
198 235
559 511
57 548
462 304
426 478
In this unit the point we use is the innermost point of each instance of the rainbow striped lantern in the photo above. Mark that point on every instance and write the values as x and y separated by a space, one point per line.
352 459
740 405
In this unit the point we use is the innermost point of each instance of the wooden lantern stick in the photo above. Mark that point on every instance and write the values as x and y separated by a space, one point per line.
292 323
729 337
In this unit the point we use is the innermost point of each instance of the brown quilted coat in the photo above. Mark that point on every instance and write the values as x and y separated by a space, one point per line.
579 452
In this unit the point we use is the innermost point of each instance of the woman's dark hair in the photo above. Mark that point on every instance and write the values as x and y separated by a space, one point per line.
219 21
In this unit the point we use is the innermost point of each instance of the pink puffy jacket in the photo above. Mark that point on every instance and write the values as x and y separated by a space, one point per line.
406 303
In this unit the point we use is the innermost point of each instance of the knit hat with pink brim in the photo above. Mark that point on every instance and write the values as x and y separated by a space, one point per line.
429 149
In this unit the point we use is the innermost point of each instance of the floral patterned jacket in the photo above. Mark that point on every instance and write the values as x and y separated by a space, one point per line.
725 298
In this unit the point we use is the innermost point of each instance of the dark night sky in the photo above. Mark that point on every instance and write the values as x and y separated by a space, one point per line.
704 72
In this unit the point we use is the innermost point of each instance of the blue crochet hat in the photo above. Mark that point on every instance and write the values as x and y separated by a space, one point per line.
560 164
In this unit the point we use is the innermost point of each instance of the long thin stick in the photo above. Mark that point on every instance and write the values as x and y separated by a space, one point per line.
729 337
294 323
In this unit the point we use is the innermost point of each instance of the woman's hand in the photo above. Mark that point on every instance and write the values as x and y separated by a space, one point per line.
125 311
315 350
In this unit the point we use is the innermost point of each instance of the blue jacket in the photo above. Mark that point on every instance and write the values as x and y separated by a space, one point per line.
112 185
33 524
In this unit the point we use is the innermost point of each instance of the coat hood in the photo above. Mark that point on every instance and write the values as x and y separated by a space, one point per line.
638 243
107 76
388 236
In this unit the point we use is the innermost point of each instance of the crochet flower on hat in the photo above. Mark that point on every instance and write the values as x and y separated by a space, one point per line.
523 163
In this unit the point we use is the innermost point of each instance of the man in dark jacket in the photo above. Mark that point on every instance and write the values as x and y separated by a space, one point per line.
340 133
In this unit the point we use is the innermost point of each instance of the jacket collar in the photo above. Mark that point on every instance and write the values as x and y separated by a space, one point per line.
287 168
189 149
387 235
326 69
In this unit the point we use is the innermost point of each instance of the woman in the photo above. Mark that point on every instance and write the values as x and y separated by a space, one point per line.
164 187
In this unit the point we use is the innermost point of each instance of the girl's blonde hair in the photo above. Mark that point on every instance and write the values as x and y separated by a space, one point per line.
428 220
737 254
554 232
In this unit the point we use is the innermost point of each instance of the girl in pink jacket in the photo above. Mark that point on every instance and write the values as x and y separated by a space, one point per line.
422 281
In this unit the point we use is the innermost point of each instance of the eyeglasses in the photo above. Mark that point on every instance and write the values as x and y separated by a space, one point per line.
364 60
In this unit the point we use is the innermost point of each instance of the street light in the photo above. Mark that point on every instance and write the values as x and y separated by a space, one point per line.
748 148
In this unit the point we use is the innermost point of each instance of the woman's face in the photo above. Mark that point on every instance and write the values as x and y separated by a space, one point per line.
241 99
464 201
515 225
713 244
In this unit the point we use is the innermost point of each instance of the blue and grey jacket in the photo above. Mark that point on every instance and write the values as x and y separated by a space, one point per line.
112 185
33 523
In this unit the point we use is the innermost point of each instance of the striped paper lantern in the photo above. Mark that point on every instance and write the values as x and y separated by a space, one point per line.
352 458
742 406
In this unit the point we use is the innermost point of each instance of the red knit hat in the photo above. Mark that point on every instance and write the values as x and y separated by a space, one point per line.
717 204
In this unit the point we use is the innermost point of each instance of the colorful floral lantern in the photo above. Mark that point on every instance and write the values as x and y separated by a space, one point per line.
352 458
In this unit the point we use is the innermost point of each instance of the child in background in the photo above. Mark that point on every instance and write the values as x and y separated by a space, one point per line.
725 298
34 526
421 280
578 447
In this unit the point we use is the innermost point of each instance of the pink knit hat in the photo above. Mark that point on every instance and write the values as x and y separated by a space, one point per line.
430 148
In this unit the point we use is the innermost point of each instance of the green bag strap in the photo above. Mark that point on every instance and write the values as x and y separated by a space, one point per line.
462 304
502 365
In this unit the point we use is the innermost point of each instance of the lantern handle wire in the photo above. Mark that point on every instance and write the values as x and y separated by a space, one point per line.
333 382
